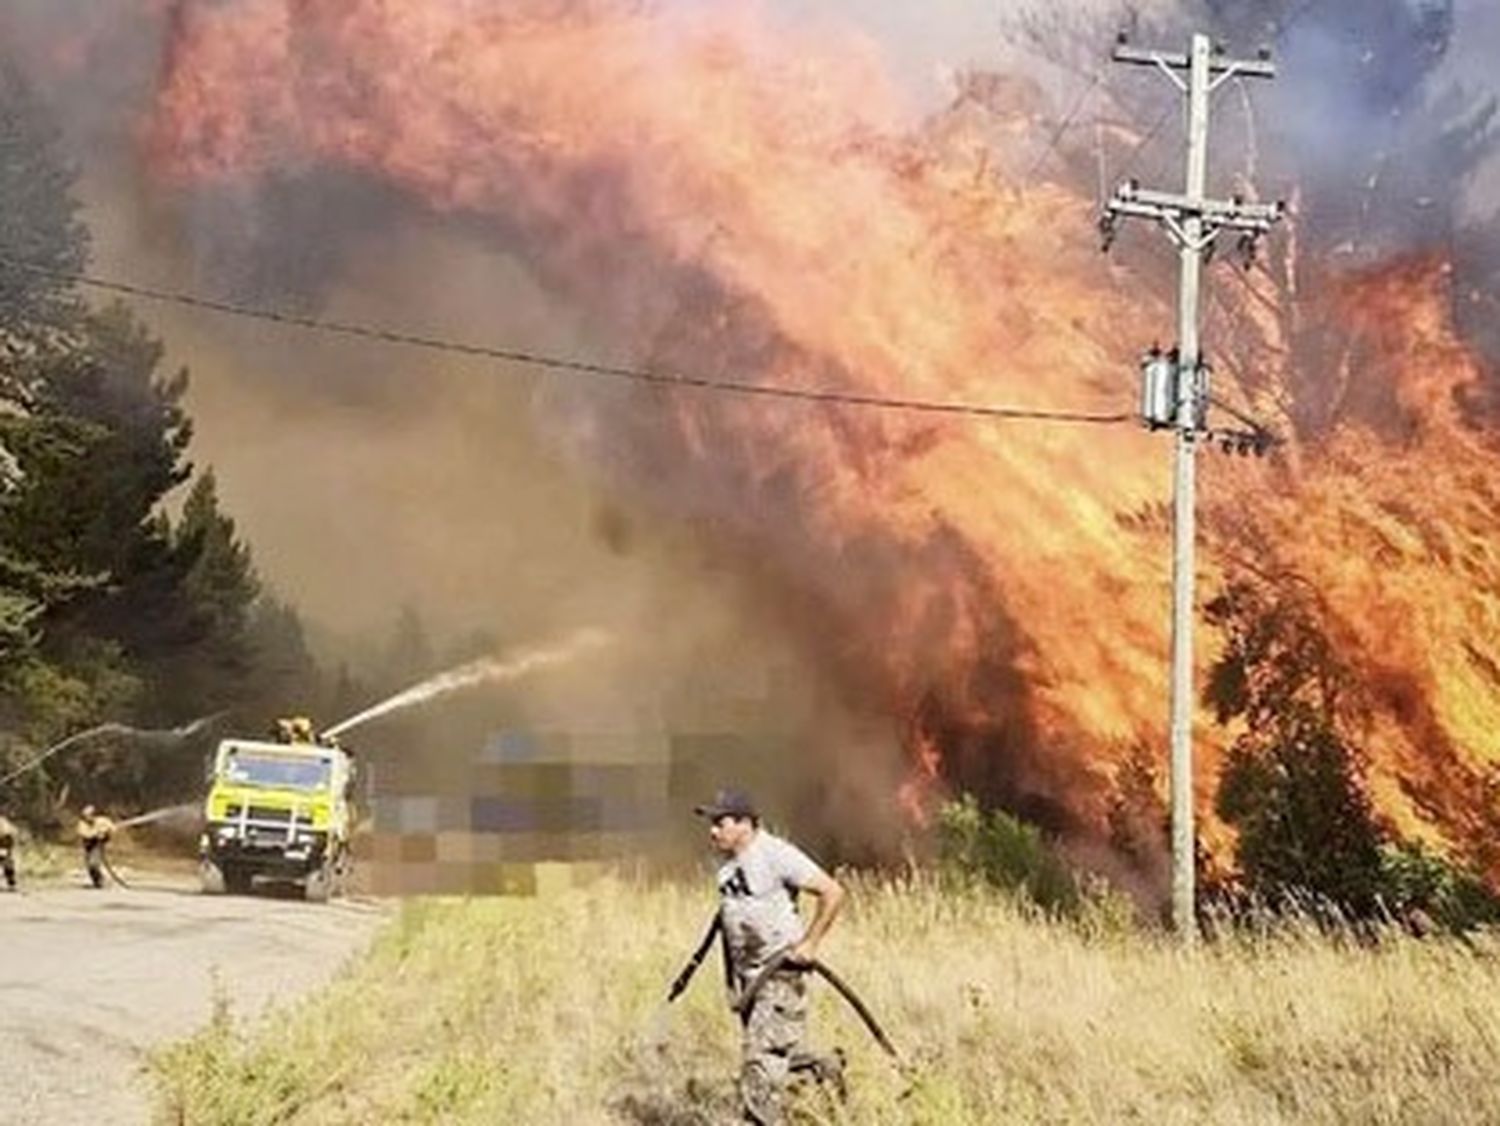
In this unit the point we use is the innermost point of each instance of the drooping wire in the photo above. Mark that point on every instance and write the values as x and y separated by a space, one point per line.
1063 126
1137 151
562 364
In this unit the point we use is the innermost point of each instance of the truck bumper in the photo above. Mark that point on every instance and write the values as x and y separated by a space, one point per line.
268 852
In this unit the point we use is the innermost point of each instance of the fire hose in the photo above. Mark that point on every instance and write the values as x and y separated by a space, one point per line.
140 819
780 962
108 867
783 961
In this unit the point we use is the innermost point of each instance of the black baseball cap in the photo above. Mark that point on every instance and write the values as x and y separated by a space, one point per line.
728 803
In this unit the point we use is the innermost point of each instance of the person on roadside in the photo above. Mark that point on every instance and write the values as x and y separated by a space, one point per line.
8 836
94 832
758 886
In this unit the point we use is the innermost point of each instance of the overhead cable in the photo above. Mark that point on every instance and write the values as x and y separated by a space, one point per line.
568 365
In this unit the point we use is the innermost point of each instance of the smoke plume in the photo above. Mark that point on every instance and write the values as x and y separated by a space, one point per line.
723 190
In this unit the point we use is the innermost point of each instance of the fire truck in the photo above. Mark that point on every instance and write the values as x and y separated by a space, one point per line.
278 809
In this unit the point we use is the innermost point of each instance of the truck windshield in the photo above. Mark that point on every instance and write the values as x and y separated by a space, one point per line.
269 770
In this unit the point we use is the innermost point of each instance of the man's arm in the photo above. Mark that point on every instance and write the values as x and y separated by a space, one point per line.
830 899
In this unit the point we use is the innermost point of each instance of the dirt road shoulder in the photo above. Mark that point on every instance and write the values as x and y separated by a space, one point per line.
92 980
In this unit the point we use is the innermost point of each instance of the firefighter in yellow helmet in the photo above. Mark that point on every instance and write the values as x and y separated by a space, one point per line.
295 729
94 832
8 851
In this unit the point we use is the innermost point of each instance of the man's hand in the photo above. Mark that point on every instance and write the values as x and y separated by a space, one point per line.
805 953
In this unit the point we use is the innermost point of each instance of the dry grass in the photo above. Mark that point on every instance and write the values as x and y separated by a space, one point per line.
549 1010
44 863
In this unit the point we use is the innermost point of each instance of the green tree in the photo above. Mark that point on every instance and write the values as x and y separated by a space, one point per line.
107 610
203 591
1292 783
104 444
38 225
1006 852
41 325
219 578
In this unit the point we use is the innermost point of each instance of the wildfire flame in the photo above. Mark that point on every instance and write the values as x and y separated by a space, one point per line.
727 202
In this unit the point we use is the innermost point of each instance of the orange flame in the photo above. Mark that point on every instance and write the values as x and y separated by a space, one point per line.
728 202
918 794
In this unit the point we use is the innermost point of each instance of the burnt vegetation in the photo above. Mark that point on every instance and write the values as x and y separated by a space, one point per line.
1293 783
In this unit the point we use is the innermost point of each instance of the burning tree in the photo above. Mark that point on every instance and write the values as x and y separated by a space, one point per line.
718 203
1292 781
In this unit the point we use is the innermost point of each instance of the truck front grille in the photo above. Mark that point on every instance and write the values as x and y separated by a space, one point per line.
260 813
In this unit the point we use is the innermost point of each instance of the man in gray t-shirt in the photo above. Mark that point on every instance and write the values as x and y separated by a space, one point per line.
758 886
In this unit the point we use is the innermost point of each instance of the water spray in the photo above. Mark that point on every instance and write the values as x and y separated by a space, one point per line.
487 670
168 735
184 812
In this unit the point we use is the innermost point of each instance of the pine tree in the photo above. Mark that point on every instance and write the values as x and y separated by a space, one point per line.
219 579
107 610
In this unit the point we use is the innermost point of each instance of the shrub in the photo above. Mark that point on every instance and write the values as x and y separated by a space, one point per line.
1413 878
1005 852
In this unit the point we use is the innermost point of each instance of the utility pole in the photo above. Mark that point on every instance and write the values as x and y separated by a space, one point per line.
1175 387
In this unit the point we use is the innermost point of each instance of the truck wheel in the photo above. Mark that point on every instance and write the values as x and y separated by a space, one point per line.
343 868
237 880
210 878
318 886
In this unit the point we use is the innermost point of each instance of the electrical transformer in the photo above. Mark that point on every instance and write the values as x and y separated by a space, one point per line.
1159 389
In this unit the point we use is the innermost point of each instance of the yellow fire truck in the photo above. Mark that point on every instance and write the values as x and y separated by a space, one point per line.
278 809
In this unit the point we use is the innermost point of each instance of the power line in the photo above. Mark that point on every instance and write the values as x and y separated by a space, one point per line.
1139 149
564 364
1062 128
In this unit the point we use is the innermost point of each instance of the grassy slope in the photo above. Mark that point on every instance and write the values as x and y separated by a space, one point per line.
548 1011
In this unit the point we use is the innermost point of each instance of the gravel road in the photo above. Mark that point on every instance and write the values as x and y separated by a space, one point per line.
90 980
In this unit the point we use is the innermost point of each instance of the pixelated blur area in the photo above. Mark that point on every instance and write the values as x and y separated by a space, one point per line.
533 811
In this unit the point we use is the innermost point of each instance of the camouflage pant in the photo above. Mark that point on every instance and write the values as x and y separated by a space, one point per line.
773 1034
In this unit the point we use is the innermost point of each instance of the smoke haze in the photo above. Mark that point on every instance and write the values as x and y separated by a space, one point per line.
842 571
